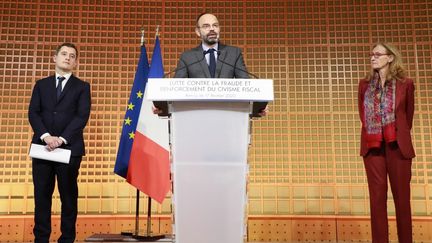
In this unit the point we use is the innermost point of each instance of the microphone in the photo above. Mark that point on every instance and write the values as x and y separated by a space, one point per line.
185 66
229 64
163 105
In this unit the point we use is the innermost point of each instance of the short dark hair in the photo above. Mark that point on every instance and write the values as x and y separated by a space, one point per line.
67 44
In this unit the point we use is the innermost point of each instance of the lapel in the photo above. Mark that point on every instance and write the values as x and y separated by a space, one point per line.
52 90
400 89
199 52
222 55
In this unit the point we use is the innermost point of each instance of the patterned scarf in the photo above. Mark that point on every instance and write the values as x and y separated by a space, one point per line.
379 107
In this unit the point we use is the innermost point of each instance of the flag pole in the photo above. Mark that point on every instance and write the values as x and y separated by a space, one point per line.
149 198
137 191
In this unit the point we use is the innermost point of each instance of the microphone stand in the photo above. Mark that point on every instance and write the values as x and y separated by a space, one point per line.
257 107
163 105
229 64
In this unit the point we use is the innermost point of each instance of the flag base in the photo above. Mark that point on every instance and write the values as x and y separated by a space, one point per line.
128 237
144 237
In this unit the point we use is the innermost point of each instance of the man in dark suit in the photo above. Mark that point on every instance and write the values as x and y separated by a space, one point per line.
58 112
211 59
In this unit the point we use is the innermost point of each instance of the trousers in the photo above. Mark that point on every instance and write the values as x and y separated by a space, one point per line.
381 163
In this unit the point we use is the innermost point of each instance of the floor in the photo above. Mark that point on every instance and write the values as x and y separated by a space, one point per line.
123 238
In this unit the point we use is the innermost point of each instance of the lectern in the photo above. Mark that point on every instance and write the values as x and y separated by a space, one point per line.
209 134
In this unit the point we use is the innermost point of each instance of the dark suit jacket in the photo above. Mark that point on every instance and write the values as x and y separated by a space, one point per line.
192 64
404 112
66 117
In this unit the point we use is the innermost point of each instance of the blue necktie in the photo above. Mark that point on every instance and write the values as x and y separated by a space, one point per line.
59 86
212 63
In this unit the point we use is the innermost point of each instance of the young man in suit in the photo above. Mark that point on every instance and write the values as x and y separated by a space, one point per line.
58 112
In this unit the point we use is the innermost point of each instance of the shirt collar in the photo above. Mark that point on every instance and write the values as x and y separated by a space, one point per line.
67 76
206 47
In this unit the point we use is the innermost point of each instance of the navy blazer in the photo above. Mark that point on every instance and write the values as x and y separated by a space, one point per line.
66 117
192 64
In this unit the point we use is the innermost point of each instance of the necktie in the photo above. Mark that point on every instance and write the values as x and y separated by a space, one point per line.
59 86
212 63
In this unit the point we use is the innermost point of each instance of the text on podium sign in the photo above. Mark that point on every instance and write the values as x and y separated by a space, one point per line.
177 89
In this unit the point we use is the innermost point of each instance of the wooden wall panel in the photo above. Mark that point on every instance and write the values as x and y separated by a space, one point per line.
304 155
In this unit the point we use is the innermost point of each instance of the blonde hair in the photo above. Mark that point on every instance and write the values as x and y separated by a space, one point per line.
396 68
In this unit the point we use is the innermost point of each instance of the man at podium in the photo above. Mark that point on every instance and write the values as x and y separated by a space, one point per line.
211 59
209 137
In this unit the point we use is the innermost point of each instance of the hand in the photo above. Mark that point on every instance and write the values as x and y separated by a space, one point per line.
156 110
53 142
264 111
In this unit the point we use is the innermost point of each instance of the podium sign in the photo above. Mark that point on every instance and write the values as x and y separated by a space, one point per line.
209 147
177 89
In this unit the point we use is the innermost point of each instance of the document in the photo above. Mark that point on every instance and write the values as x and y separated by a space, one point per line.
57 155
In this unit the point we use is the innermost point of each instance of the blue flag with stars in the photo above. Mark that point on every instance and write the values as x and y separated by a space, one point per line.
132 113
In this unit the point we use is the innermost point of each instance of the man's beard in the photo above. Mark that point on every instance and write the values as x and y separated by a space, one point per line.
211 41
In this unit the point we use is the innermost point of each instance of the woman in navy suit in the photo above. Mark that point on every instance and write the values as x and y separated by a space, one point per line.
58 112
386 107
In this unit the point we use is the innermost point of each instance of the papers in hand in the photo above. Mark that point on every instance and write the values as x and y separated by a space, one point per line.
60 155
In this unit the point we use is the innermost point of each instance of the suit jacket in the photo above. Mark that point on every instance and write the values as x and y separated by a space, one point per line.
404 113
66 117
192 64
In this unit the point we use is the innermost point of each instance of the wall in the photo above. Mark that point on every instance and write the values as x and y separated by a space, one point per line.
304 158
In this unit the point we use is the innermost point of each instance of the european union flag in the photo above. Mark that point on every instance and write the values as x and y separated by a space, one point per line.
132 114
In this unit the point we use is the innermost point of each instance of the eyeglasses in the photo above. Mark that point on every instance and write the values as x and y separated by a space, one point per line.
207 26
377 54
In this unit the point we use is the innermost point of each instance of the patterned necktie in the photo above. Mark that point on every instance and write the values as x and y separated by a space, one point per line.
212 62
59 86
